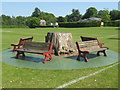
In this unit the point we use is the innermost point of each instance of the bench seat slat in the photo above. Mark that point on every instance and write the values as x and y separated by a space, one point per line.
32 51
93 49
37 46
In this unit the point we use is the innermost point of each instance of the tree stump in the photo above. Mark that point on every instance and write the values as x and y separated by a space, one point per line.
62 42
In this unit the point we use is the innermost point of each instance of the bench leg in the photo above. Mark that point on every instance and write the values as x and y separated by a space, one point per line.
18 54
84 56
78 57
50 57
46 57
14 48
98 53
104 53
86 59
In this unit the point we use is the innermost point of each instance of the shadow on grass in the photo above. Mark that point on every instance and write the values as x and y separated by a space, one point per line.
89 56
31 59
114 38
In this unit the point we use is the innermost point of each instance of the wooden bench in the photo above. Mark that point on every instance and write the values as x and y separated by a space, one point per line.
36 48
83 38
21 43
87 47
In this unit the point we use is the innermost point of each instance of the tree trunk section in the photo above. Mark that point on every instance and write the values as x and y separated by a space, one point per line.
62 42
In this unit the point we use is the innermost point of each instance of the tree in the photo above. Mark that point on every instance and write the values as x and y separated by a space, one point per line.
20 20
33 22
90 12
49 17
6 20
104 14
115 14
36 12
61 19
74 17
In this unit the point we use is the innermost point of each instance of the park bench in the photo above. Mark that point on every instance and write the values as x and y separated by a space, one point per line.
21 43
36 48
83 38
87 47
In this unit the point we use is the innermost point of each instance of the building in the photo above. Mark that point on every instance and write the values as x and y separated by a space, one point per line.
53 24
42 23
90 19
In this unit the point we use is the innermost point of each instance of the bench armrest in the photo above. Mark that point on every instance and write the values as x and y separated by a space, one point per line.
101 44
16 44
105 47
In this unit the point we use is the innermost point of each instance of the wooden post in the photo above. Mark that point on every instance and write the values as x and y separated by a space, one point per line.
62 42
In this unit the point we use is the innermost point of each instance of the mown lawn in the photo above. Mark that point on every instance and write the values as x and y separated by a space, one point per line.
18 77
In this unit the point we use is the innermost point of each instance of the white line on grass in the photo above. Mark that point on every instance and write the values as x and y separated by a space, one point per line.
110 36
81 78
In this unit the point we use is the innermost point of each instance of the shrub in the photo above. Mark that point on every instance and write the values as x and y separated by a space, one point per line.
33 22
112 23
12 26
48 26
80 24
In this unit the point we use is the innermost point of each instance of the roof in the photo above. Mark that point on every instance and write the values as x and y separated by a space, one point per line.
90 19
42 21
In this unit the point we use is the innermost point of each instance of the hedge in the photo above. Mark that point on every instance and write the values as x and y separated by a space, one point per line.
112 23
13 26
80 24
47 26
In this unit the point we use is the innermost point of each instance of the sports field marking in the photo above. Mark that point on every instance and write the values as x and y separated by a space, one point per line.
81 78
110 36
3 43
5 31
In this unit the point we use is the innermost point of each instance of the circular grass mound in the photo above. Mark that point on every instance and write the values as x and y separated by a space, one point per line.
36 61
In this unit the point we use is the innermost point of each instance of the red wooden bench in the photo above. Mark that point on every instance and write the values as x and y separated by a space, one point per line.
36 48
83 38
21 43
87 47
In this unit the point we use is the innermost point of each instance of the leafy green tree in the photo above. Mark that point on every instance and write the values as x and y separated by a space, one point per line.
104 14
6 20
90 12
36 12
74 17
49 17
61 19
20 20
115 14
33 22
13 22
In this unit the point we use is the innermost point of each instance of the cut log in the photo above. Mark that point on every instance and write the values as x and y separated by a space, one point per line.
62 42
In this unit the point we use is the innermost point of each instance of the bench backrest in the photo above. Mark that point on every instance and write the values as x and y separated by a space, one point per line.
38 46
87 44
87 38
23 40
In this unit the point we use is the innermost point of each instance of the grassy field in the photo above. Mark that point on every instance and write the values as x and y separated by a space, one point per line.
18 77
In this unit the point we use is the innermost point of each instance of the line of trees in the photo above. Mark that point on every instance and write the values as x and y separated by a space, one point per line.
75 16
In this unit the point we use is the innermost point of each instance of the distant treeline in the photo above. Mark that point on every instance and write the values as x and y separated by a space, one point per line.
75 16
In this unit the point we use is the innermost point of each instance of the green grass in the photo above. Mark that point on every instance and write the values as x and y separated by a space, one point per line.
18 77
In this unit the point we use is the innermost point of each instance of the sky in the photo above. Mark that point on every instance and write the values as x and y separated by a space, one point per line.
13 8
